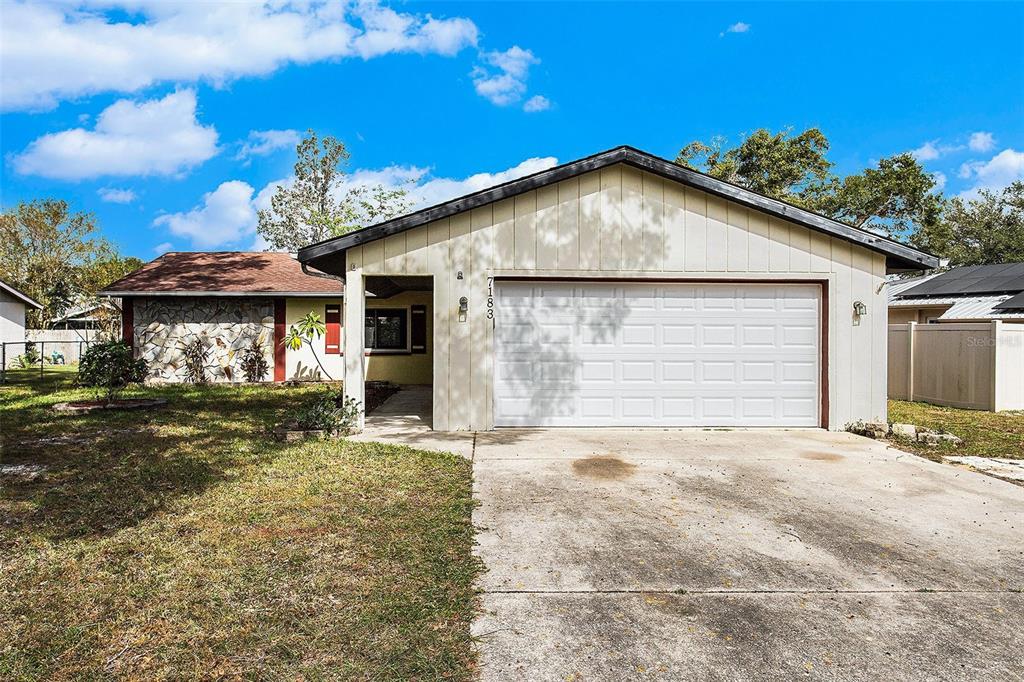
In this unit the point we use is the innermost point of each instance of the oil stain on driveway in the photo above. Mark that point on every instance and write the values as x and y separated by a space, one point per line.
737 555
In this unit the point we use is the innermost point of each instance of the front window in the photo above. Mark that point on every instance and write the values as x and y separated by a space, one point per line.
387 329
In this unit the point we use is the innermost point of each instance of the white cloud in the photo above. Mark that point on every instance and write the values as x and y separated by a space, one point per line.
113 195
1002 169
536 103
982 142
59 50
153 137
738 27
161 249
940 181
926 152
502 78
225 216
264 142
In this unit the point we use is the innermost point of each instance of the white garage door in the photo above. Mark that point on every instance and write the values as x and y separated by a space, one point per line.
659 354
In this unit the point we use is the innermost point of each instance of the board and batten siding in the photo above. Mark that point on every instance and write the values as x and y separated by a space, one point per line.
626 223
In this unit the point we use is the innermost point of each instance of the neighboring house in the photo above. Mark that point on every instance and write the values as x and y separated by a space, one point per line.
231 298
971 293
12 314
625 290
87 316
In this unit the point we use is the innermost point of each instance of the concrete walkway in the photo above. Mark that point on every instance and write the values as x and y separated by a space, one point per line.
405 419
738 555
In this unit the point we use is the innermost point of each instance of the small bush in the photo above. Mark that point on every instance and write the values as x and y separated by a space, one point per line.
195 362
328 411
254 363
109 367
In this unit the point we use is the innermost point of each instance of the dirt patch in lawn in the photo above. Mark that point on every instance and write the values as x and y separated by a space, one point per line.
603 467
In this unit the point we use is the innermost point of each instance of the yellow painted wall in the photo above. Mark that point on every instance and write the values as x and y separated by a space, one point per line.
396 368
623 222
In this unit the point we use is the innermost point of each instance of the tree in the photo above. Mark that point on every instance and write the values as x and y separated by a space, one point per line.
309 327
778 165
46 251
987 229
897 196
318 205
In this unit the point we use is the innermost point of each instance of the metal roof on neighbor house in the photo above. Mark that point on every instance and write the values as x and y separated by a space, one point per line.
974 279
323 255
223 273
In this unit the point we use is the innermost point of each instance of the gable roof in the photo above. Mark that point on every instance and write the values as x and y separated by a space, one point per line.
223 273
973 279
24 298
323 255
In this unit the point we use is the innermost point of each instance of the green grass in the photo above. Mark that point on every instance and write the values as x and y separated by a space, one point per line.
985 434
184 543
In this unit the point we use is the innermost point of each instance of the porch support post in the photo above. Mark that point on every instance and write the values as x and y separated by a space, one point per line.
353 331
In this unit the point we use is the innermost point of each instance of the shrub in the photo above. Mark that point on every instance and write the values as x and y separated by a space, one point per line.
328 411
254 363
109 367
30 358
195 362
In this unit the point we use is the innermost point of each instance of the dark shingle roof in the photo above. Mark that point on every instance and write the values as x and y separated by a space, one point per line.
222 272
973 279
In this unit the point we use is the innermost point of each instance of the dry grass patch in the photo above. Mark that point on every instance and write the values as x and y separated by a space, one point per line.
185 543
985 434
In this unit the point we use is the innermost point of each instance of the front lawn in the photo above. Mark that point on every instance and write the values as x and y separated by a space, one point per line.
985 434
185 543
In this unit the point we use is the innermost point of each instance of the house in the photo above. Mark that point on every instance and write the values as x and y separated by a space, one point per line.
971 293
12 315
625 290
228 299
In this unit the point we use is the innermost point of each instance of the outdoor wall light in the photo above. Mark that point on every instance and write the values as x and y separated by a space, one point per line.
858 309
463 308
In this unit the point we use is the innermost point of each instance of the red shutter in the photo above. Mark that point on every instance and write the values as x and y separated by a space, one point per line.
333 337
128 321
280 321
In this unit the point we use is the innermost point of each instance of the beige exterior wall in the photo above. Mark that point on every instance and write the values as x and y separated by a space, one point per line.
975 365
624 223
403 368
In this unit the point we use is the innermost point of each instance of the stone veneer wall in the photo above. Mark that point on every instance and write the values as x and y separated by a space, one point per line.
165 326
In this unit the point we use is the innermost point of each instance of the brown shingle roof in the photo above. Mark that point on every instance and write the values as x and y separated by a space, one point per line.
222 272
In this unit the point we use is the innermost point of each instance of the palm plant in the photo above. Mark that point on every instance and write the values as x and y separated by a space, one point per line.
309 328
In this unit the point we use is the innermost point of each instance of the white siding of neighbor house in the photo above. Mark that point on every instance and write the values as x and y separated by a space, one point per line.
12 321
625 223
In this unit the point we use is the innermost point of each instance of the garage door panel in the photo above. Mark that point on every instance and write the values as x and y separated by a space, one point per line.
624 354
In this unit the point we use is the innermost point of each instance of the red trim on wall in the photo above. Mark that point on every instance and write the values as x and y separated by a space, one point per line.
128 321
823 385
279 332
332 337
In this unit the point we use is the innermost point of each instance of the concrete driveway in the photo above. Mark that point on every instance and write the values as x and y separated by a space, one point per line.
736 555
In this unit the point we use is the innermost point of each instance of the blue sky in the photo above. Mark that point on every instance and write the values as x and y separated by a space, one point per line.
173 122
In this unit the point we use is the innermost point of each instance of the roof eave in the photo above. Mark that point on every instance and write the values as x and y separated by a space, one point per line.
899 257
223 294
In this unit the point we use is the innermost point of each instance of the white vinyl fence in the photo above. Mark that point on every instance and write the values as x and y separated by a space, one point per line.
976 365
